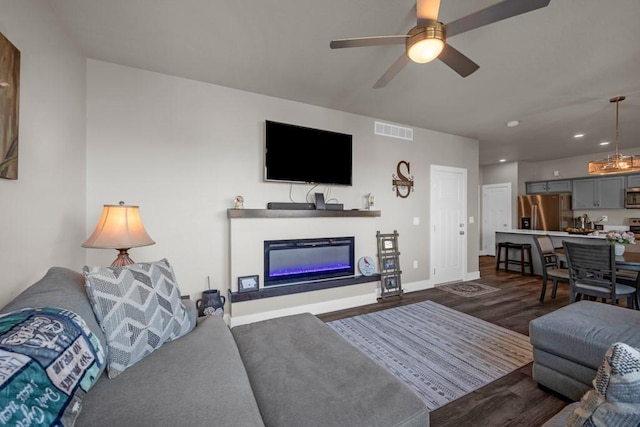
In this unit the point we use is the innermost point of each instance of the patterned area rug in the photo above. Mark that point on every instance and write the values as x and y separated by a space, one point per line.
467 289
440 353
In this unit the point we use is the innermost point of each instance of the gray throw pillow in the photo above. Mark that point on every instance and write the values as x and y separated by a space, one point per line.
615 398
139 309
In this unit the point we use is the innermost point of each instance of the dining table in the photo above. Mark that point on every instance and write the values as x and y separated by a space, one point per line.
629 261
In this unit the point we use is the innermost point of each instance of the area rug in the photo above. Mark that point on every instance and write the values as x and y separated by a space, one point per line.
467 289
440 353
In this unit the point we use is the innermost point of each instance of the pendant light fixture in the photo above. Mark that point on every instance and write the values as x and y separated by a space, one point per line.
616 163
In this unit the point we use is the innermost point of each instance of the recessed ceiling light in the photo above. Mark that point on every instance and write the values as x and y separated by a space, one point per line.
578 135
503 160
605 143
513 123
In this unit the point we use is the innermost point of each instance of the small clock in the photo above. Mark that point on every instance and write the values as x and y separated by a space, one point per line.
366 265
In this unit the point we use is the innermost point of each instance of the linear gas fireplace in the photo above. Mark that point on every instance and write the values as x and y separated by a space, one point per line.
288 262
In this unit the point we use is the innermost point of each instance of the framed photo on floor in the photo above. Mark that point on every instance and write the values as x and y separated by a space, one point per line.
389 262
248 283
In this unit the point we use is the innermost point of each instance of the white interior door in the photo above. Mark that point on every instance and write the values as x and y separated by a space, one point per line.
496 214
448 224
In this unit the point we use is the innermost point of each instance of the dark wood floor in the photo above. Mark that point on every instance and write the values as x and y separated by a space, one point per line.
515 399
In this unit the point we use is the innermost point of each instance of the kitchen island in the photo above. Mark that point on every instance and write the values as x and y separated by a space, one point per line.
526 236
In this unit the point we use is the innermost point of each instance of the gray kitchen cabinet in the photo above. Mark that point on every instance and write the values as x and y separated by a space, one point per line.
598 193
633 181
536 187
539 187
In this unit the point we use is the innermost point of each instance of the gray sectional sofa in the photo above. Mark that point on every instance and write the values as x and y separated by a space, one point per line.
569 343
572 355
290 371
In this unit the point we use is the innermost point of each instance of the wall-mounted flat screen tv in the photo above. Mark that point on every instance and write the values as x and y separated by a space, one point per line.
306 155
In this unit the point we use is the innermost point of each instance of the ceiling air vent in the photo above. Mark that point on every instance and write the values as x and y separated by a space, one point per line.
393 131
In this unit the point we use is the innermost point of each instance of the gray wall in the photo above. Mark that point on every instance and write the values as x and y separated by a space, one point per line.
42 220
191 147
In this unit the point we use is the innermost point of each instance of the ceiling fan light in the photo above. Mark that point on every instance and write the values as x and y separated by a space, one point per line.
425 50
424 44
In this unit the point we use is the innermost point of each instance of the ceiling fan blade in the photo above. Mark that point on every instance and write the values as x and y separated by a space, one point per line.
457 61
427 11
497 12
368 41
393 71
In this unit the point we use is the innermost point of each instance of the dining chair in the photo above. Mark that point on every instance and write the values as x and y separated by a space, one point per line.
551 269
592 273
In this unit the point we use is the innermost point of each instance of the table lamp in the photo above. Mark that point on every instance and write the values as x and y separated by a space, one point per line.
119 227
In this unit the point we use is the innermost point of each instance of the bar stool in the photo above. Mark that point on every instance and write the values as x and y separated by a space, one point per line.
524 252
500 246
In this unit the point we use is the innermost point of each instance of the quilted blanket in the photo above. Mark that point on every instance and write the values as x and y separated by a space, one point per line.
48 360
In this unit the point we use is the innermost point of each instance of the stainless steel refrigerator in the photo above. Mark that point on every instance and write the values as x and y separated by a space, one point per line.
550 212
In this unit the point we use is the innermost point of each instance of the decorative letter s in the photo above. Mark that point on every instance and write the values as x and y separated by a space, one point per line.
402 184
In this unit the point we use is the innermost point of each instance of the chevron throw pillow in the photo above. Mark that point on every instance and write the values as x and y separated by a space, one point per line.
139 309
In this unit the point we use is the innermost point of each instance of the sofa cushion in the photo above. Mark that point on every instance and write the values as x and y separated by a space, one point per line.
615 398
64 288
138 307
196 380
49 359
305 374
583 331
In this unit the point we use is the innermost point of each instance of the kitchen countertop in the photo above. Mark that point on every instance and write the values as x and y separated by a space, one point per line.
557 238
551 233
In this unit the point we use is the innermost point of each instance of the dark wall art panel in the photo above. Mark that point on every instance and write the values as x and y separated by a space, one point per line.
9 107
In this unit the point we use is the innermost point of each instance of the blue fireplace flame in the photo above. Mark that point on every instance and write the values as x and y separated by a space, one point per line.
304 270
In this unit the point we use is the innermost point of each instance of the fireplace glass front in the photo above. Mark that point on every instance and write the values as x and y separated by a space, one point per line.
288 262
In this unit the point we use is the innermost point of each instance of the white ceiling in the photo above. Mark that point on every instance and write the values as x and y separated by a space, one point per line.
554 69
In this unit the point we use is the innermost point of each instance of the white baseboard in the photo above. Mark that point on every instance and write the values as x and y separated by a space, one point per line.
417 286
471 275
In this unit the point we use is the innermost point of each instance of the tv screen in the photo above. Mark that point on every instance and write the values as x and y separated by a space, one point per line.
301 154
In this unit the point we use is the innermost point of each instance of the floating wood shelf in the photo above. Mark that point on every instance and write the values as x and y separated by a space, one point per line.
301 287
278 213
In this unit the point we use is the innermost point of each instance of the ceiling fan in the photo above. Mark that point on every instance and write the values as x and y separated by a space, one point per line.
427 40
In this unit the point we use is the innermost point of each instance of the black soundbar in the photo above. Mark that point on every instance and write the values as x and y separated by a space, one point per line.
291 206
303 206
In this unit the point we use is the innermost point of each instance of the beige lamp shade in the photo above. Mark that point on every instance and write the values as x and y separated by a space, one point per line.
119 227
